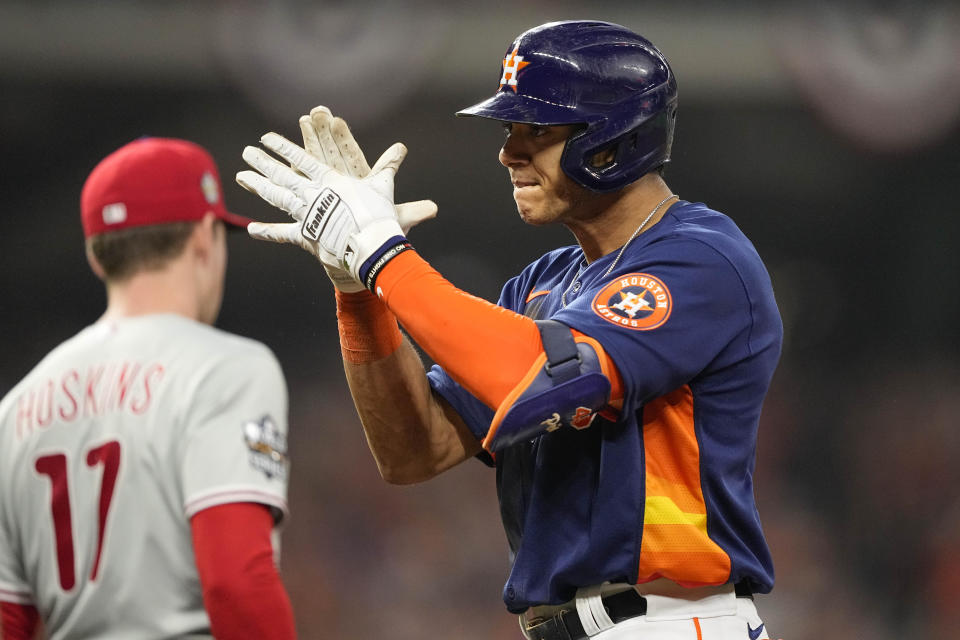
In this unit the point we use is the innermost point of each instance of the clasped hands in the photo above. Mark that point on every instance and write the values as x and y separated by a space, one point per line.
343 210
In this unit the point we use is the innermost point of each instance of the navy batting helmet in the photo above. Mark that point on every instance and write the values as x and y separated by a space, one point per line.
598 74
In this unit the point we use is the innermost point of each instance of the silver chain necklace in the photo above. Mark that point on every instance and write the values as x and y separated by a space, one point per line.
563 296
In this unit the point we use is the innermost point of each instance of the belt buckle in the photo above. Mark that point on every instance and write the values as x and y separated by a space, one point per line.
550 628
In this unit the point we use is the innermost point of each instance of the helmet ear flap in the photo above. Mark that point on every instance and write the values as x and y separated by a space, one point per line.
605 158
599 163
625 147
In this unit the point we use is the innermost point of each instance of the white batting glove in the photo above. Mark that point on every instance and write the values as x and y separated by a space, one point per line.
343 221
329 140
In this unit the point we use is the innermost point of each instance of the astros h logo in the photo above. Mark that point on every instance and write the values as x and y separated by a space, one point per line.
636 301
512 65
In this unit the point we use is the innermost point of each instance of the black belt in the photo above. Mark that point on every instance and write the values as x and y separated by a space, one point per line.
566 624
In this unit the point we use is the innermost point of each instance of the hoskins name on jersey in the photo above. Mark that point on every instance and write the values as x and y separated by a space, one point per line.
96 390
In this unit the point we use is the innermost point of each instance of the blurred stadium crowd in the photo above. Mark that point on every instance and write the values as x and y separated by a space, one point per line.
830 135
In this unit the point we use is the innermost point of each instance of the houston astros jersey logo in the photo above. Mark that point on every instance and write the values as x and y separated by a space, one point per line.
512 65
635 301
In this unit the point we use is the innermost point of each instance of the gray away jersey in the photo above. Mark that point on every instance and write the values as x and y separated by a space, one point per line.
108 447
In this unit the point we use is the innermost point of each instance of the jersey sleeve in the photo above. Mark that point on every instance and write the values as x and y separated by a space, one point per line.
664 317
235 435
475 414
13 587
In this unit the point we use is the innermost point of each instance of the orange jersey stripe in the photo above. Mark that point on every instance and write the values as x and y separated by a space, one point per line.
675 541
487 349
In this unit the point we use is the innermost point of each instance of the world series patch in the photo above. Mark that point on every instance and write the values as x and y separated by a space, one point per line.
635 301
268 447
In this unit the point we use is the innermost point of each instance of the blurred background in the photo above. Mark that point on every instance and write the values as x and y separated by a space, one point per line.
828 132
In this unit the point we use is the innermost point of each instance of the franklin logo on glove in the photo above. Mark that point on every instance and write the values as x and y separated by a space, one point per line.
326 201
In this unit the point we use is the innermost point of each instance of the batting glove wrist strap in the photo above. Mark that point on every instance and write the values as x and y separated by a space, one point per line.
372 266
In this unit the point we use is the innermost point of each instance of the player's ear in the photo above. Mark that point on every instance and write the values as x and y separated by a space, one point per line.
95 265
204 236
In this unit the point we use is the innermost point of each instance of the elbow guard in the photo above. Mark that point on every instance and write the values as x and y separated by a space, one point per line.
566 386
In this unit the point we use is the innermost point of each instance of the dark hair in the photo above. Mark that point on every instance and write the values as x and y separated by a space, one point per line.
129 251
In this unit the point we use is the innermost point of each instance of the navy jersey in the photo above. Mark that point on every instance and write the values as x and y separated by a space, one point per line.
688 315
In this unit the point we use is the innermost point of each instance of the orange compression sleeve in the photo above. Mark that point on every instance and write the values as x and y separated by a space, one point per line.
485 348
368 331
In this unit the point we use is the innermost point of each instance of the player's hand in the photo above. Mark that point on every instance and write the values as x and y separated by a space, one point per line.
329 140
341 220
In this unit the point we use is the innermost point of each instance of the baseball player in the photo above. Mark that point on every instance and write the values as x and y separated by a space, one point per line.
143 462
617 384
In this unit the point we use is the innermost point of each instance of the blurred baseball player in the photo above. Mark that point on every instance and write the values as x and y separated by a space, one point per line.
617 385
143 463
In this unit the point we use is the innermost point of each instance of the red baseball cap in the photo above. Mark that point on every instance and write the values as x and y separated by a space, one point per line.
153 181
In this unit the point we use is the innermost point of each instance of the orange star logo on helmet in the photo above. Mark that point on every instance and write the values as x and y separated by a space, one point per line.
512 65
